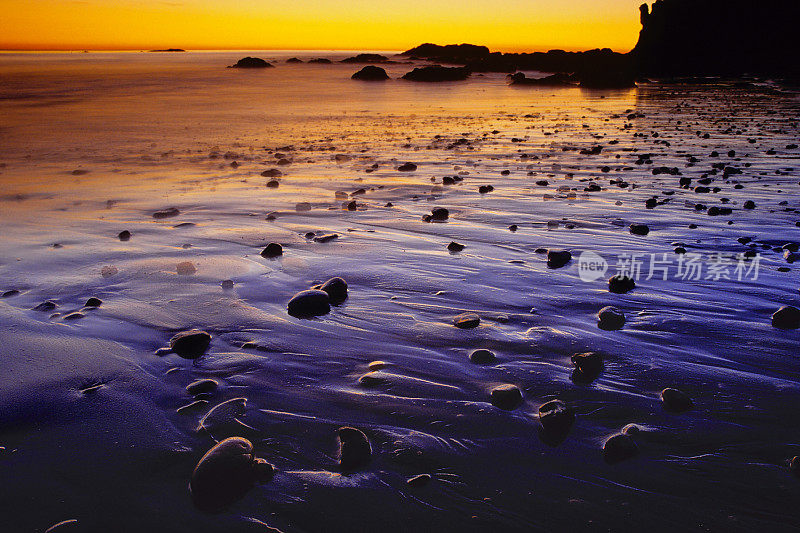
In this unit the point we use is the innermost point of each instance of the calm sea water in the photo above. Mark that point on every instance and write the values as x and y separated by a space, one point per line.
93 144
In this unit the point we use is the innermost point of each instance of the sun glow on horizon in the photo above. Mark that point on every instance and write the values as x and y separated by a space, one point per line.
505 25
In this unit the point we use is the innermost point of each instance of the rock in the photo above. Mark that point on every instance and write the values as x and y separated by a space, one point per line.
610 318
639 229
74 316
124 235
436 73
225 474
455 247
272 250
336 288
439 214
787 317
370 73
483 189
507 397
558 258
749 204
354 449
373 379
251 62
167 213
48 305
554 80
618 448
407 167
467 321
366 58
93 302
420 480
620 284
556 416
273 184
201 386
310 303
794 465
587 365
294 60
185 268
302 207
224 417
675 400
10 293
190 344
108 271
320 61
227 284
272 173
326 238
482 357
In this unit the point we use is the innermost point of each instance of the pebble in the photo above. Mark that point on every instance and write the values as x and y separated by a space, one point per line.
272 250
787 317
610 318
455 247
355 450
556 416
467 321
167 213
190 344
272 173
336 288
794 465
483 189
227 284
482 357
124 235
93 302
201 386
192 407
588 365
419 481
302 207
620 284
49 305
439 214
225 474
309 303
639 229
675 400
507 397
9 294
558 258
185 268
407 167
74 316
619 447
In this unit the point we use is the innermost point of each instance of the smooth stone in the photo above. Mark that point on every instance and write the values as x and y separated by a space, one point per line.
9 294
336 288
482 357
48 305
186 268
588 364
555 415
272 173
455 247
354 449
225 474
309 303
620 284
74 316
631 429
618 448
407 167
419 481
676 400
467 321
93 302
227 284
201 386
787 317
192 407
373 379
639 229
167 213
302 206
190 344
507 397
558 258
124 235
272 250
440 213
610 318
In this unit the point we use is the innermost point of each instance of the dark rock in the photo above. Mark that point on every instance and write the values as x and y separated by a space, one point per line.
49 305
436 73
621 284
272 173
482 357
366 58
455 247
787 317
354 449
225 474
618 448
167 213
587 366
420 480
201 386
251 62
93 302
370 73
273 184
556 416
675 400
302 207
309 303
507 397
467 321
639 229
272 250
227 284
190 344
336 288
610 318
555 80
294 60
558 258
483 189
407 167
794 465
10 293
124 235
74 316
749 204
320 61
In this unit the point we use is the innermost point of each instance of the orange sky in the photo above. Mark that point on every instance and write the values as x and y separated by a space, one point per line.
317 24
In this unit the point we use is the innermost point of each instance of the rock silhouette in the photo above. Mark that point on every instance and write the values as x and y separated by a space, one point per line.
370 73
436 73
251 62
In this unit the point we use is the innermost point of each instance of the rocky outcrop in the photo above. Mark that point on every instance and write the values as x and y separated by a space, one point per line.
366 58
371 73
437 73
718 37
555 80
251 62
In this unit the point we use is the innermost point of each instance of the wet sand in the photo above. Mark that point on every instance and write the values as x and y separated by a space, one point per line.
94 144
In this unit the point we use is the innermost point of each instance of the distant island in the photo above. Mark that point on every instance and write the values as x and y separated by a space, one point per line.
169 50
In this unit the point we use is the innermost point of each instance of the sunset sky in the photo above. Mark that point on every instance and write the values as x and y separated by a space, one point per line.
506 25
